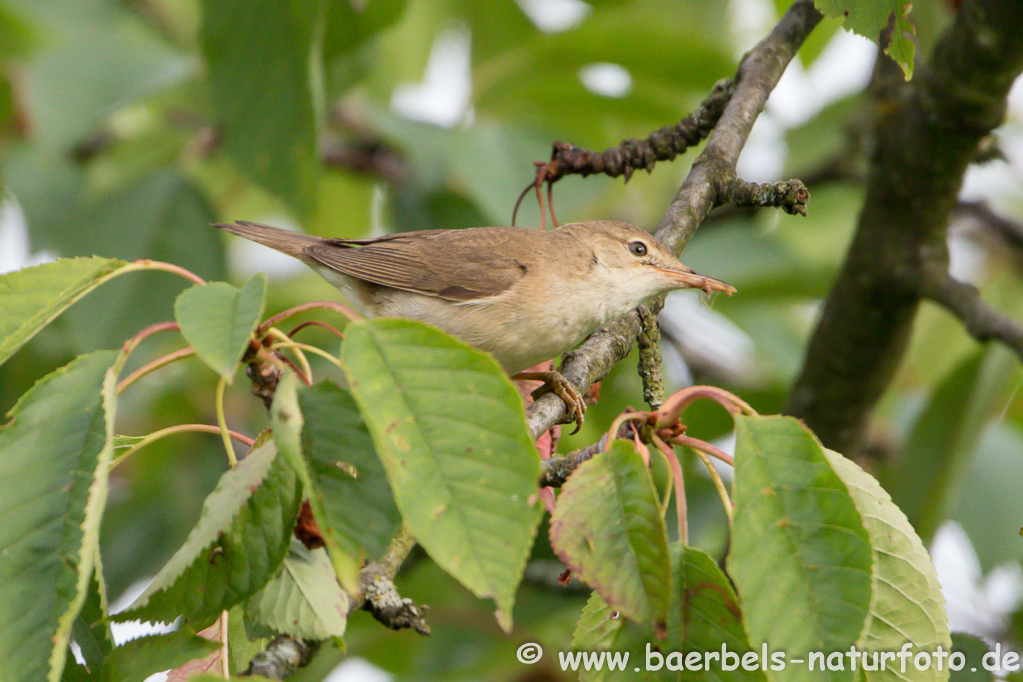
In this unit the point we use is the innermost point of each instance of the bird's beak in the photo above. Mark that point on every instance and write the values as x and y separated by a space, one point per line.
694 281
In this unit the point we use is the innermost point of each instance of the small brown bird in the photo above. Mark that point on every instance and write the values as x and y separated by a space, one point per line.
521 294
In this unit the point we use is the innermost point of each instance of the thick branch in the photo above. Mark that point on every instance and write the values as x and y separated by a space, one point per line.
926 134
759 72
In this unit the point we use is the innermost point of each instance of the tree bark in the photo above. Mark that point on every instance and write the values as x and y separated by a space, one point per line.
926 133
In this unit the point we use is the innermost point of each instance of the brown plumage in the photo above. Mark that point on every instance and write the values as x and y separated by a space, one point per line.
521 294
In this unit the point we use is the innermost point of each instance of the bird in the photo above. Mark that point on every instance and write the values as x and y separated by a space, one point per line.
523 295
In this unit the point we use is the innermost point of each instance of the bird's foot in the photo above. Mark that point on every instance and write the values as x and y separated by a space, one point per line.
554 382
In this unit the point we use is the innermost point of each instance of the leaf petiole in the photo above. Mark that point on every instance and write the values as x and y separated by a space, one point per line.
171 430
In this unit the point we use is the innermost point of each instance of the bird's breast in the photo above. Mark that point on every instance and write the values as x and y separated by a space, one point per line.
521 327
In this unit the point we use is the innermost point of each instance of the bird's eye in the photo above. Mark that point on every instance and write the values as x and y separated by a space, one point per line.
637 248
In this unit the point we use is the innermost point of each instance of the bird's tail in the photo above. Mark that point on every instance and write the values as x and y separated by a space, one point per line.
285 241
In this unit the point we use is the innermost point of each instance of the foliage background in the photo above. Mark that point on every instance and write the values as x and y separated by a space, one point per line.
128 126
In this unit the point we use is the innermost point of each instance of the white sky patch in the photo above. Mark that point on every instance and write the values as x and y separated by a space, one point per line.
357 669
707 336
967 257
725 444
15 250
750 20
125 632
763 157
842 68
443 96
975 604
609 80
555 16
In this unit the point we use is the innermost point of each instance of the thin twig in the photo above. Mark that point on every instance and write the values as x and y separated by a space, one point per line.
758 73
981 321
649 363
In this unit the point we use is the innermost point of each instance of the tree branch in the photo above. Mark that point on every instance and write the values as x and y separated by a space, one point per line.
281 658
1008 230
662 145
757 76
982 322
284 655
381 596
926 133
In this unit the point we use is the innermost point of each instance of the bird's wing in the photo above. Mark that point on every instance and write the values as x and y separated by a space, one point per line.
440 263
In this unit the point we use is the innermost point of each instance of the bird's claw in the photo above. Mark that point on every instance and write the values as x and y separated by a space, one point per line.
554 382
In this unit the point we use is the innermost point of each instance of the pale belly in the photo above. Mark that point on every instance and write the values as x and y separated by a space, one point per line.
518 336
517 340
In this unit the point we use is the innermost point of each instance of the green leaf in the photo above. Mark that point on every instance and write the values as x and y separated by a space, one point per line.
601 629
249 55
400 53
91 630
241 538
869 17
597 626
288 423
973 650
54 458
608 529
902 45
304 600
703 618
450 430
33 297
513 81
218 320
705 614
91 59
140 658
242 645
946 435
349 24
73 672
908 606
801 558
20 36
346 473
